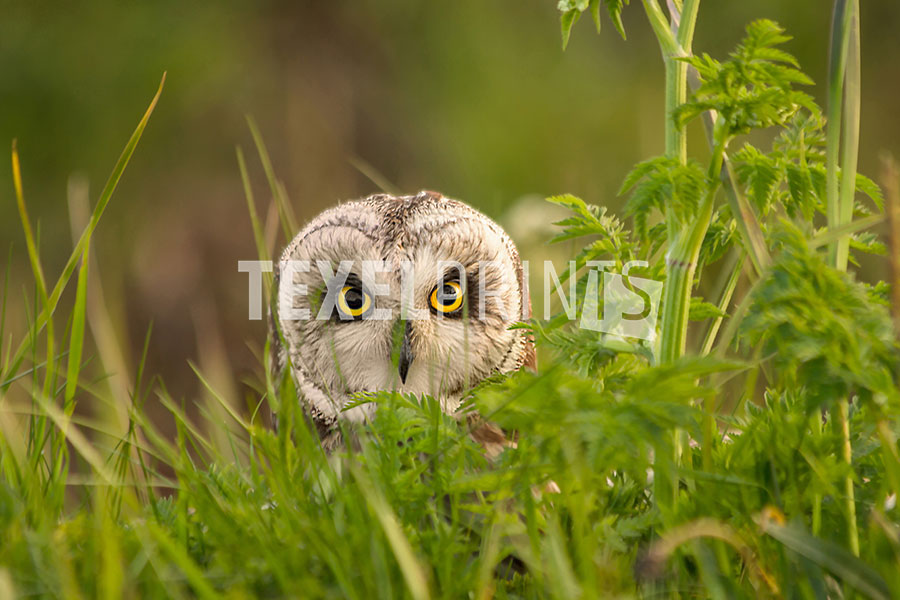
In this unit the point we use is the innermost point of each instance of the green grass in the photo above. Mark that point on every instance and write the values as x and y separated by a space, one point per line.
753 453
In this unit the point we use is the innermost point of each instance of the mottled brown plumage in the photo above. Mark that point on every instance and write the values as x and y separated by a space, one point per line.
429 252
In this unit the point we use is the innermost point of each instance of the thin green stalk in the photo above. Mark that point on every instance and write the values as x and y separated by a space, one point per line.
667 42
817 496
850 126
724 302
76 342
676 95
889 453
675 36
709 417
36 268
687 24
840 48
684 25
285 211
681 264
744 215
43 318
843 87
843 422
681 259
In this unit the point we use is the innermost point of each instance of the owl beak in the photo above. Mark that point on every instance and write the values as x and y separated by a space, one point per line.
406 353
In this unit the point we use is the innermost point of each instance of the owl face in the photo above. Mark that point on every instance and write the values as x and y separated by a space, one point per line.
411 293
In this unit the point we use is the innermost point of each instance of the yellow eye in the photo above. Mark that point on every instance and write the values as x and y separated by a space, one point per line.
447 298
353 302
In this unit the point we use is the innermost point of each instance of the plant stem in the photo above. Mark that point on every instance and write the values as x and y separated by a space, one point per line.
744 215
681 260
681 264
843 422
724 302
843 85
840 47
816 424
735 267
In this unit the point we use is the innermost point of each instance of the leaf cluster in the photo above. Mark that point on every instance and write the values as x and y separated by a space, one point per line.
571 11
825 332
754 88
664 183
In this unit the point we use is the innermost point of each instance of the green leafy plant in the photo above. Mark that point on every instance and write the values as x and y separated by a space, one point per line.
748 451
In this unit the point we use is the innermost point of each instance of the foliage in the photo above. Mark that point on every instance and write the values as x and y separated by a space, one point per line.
571 11
778 431
754 89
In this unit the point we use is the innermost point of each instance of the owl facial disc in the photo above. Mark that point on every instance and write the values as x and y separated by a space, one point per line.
445 274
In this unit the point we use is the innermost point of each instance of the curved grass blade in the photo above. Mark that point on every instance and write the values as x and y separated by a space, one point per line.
43 318
76 341
36 268
832 235
285 211
831 557
413 572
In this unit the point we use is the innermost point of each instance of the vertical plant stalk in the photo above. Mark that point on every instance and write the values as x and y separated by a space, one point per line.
38 430
840 186
42 319
744 215
843 112
891 185
843 421
816 425
675 37
679 266
681 262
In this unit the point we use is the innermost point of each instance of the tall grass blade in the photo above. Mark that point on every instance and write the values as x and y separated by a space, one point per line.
285 211
179 556
850 129
837 68
76 341
372 174
891 183
259 237
829 236
43 318
830 557
3 304
413 572
36 269
843 113
113 355
33 256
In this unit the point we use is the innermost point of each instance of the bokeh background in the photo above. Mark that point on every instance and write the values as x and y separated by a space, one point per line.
474 99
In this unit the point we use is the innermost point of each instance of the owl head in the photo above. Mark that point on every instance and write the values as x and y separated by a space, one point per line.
408 293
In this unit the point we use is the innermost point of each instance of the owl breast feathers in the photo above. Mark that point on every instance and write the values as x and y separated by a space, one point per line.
408 293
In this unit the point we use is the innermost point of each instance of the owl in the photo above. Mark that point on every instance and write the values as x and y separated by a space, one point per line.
408 293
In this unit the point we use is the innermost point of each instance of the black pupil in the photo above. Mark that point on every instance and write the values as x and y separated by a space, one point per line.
447 294
354 299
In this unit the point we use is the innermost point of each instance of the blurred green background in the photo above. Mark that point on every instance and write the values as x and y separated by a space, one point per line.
474 99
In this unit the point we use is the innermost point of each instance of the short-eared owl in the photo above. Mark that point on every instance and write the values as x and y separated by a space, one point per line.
409 293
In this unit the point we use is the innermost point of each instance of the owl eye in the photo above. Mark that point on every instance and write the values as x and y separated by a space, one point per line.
447 298
353 302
